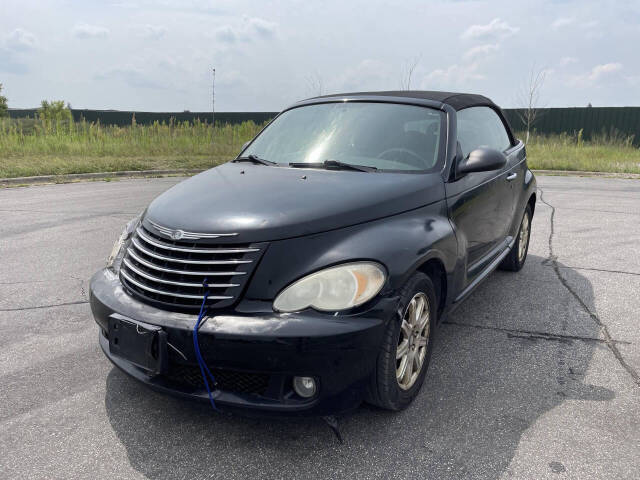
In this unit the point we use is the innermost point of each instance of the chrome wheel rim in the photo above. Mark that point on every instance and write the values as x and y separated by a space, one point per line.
413 341
523 241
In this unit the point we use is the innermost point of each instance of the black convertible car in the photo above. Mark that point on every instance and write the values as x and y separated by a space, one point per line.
310 273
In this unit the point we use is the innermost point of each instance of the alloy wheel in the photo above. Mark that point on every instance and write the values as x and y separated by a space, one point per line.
414 339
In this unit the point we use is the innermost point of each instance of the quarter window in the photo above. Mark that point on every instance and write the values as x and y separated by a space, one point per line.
481 127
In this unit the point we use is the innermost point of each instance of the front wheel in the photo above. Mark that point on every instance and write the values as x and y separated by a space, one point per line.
406 347
518 254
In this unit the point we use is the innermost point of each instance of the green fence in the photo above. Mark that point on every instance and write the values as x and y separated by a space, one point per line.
113 117
591 120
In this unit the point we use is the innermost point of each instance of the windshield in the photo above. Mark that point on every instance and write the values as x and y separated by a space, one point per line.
386 136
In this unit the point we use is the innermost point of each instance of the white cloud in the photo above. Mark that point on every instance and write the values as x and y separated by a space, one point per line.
83 30
20 40
596 75
261 27
563 22
13 47
226 34
564 61
453 75
497 29
368 74
151 31
248 30
599 71
480 51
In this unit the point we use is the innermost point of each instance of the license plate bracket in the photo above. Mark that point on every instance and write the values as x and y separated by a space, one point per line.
140 343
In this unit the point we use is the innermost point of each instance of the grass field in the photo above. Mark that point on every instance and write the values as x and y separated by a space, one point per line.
603 153
33 147
41 148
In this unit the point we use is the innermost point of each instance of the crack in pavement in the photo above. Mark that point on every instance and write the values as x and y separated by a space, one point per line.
599 270
530 334
603 327
599 211
19 309
81 281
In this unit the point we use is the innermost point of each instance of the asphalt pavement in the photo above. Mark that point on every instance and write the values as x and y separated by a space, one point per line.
535 376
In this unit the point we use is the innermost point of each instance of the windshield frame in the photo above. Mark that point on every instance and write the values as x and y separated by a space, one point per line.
440 163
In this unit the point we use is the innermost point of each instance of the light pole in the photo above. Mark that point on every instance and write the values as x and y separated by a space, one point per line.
213 106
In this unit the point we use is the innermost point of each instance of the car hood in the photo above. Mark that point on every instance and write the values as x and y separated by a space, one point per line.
262 203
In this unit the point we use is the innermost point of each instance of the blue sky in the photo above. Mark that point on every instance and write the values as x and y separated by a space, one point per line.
158 55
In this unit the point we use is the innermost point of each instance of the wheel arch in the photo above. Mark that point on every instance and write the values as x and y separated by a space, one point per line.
435 270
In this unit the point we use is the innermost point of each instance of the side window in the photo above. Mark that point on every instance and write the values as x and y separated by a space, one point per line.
481 127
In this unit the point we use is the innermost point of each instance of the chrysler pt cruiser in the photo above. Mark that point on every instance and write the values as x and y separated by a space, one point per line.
310 273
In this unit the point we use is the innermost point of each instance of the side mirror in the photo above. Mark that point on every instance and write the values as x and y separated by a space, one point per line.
482 159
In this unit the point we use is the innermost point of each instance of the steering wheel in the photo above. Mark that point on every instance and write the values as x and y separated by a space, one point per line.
403 150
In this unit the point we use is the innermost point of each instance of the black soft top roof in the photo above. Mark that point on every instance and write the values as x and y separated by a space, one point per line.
457 100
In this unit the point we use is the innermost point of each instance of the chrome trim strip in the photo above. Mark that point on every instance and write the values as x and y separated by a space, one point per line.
156 243
170 282
180 272
170 294
135 242
190 235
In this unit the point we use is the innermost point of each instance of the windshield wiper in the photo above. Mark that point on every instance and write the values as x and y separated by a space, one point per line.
333 164
254 159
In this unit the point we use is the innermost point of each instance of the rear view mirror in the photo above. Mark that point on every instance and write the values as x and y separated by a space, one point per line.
482 159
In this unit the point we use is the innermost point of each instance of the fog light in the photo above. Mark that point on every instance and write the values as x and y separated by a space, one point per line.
304 386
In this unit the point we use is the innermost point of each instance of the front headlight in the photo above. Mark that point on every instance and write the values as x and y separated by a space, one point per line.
332 289
117 252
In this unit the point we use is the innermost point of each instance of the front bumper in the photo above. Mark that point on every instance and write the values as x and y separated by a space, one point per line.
255 351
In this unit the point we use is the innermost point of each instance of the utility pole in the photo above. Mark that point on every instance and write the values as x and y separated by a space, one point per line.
213 106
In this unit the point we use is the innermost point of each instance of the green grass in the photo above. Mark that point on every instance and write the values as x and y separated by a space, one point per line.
35 147
603 153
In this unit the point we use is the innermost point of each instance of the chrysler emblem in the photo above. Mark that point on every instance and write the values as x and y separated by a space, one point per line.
183 234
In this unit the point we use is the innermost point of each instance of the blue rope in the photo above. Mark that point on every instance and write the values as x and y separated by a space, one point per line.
204 370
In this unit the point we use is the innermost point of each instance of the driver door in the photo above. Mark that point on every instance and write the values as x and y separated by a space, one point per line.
480 203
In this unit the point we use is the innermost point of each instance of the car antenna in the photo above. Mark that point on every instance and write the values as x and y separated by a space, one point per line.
332 421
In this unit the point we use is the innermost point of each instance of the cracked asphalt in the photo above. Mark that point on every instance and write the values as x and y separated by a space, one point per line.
535 376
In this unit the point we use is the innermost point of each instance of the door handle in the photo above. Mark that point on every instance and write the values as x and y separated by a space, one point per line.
512 176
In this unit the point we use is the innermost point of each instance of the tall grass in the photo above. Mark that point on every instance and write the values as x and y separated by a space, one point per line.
604 152
38 147
43 147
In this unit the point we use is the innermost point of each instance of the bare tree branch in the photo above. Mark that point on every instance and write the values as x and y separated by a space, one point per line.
407 69
529 99
315 84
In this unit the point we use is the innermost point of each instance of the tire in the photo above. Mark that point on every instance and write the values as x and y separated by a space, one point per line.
385 389
518 254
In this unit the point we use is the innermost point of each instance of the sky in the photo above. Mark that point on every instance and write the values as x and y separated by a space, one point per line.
149 55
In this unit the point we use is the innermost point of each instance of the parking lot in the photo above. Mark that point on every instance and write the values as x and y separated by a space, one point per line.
535 376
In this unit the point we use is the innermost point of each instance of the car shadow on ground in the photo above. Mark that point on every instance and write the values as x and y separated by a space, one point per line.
495 370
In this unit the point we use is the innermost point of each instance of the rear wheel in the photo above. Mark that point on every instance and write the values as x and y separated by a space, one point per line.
406 350
518 254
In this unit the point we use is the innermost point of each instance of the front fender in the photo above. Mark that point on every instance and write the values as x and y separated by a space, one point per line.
400 242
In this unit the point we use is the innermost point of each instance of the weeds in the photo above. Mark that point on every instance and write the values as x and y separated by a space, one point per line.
608 151
50 146
41 147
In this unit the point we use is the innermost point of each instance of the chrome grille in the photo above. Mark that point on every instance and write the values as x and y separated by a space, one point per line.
172 274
